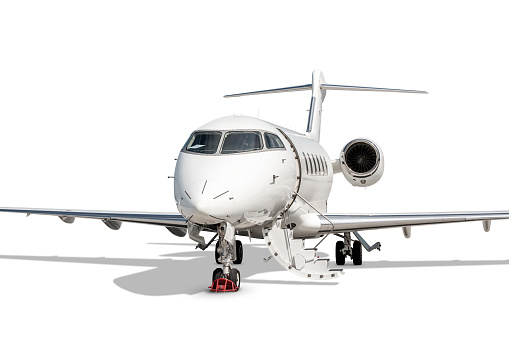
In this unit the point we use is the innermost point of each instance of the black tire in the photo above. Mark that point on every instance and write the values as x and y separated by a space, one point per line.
340 257
217 253
218 273
235 276
239 252
357 253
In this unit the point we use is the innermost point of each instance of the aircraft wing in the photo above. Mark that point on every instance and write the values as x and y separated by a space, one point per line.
175 222
359 222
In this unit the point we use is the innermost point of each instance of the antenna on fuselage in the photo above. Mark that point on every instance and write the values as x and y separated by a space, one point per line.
318 89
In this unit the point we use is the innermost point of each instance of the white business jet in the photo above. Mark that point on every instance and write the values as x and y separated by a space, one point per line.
242 176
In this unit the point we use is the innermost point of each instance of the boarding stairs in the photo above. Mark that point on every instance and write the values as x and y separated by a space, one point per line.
293 255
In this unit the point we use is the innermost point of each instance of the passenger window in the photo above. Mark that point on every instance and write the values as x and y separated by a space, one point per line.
326 166
312 168
203 142
306 159
236 142
272 141
314 162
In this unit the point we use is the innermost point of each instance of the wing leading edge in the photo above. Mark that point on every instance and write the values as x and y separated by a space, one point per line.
338 223
173 220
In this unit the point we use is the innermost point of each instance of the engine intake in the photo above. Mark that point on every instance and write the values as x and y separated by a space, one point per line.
361 157
362 162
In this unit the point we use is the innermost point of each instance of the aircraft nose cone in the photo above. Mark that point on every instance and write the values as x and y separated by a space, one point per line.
207 202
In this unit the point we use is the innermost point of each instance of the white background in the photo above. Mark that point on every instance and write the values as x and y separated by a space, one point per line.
97 98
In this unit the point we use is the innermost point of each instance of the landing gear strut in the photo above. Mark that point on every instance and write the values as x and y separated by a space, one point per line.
228 251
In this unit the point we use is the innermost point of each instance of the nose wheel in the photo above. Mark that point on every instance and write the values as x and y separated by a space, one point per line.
235 277
230 284
225 283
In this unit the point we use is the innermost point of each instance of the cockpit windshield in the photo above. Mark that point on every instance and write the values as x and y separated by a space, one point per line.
272 141
232 142
203 142
236 142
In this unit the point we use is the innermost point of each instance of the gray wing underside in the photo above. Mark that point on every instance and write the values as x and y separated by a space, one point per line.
359 222
173 220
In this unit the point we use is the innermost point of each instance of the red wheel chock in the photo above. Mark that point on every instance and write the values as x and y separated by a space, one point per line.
223 285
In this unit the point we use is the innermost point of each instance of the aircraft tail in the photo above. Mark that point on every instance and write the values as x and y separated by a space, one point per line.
318 89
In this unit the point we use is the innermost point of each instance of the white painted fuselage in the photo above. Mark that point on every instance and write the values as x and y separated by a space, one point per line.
251 188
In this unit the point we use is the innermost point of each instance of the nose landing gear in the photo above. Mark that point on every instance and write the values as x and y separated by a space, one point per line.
228 250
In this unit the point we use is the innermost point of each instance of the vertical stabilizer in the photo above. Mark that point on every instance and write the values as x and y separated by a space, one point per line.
315 108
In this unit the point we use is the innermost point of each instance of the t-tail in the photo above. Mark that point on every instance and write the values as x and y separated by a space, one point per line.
318 89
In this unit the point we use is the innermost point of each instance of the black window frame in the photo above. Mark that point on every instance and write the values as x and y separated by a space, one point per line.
266 134
187 145
226 134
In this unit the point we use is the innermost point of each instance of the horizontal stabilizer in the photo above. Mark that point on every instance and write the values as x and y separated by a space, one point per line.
369 89
276 90
318 91
327 87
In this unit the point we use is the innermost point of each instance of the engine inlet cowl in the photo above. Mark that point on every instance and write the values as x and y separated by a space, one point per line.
362 162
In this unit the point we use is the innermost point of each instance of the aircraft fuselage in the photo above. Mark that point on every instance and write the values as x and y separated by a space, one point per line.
247 172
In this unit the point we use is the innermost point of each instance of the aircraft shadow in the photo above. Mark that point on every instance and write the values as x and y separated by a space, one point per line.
424 263
179 273
191 272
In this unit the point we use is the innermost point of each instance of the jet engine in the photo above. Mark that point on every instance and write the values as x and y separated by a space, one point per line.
362 162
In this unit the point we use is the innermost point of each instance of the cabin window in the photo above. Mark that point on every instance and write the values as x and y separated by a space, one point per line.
237 142
326 166
306 159
272 141
322 167
203 142
311 168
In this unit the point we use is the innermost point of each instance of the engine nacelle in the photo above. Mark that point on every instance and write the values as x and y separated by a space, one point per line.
362 162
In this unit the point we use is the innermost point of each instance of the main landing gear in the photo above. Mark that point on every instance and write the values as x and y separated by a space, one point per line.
228 250
344 248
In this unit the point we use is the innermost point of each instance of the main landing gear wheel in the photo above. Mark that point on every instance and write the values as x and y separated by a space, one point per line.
357 253
239 251
340 256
